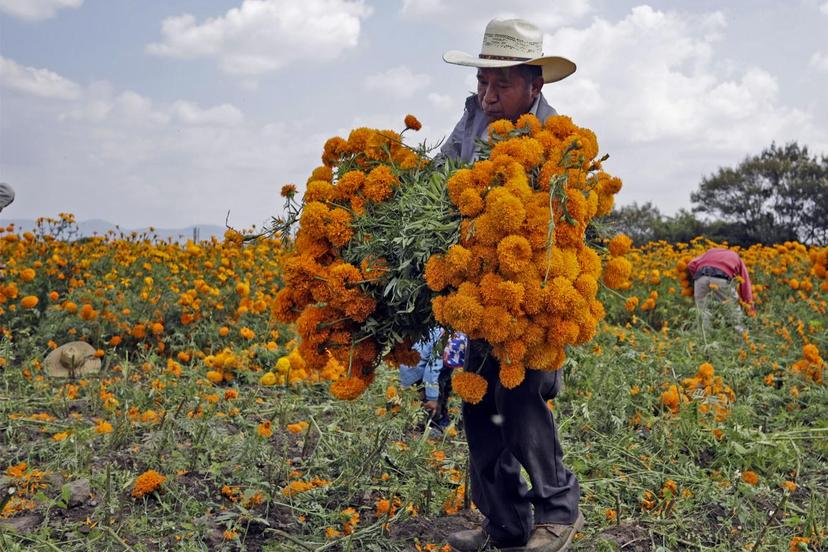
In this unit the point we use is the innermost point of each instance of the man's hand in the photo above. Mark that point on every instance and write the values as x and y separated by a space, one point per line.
430 407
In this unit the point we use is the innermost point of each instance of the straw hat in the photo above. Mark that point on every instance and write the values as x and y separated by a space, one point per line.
6 195
510 42
72 359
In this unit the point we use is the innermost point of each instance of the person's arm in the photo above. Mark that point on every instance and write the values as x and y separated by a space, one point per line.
692 267
452 147
745 289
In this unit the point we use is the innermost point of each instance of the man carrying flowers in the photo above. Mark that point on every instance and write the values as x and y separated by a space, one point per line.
512 427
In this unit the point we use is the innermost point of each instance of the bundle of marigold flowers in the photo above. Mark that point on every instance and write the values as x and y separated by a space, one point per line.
391 243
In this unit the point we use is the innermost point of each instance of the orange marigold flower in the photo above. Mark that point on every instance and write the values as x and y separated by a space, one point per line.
619 245
511 375
148 482
671 398
264 430
750 477
469 386
412 122
348 388
349 184
513 254
617 273
27 274
506 209
334 149
530 122
321 173
288 190
29 302
319 190
298 427
379 184
338 229
436 273
462 312
215 376
799 544
269 378
811 353
500 128
103 427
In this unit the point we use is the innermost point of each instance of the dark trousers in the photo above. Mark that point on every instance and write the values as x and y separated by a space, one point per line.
508 429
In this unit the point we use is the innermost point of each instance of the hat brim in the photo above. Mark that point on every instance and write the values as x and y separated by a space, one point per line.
554 68
54 368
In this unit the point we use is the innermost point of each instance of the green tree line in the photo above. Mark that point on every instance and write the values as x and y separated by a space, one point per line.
776 196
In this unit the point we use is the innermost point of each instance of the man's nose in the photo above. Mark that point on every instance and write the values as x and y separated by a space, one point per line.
490 94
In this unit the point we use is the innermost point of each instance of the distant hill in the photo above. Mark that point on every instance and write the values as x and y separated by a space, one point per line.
98 227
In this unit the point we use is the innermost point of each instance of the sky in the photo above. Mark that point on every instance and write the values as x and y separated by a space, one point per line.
176 113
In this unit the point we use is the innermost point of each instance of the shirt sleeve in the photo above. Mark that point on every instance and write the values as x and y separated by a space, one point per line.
432 364
452 148
745 289
692 266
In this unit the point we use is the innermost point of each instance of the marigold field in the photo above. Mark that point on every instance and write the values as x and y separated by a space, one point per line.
204 430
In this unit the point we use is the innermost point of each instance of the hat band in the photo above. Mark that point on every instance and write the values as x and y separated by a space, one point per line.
503 58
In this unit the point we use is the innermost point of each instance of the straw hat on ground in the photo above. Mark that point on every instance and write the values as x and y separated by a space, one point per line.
510 42
72 359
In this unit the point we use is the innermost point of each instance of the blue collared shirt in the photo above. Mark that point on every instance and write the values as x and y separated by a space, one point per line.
428 369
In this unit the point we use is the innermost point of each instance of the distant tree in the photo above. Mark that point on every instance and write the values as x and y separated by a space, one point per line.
779 195
639 222
645 223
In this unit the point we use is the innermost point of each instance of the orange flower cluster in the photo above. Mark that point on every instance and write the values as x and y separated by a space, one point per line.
811 366
322 293
28 482
148 482
819 260
521 277
684 276
707 388
618 269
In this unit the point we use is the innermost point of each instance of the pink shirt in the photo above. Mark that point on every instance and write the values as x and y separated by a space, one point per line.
728 262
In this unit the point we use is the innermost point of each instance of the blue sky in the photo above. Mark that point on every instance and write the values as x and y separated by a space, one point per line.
173 113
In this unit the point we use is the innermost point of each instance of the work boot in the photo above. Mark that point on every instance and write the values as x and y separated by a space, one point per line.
477 540
553 537
470 540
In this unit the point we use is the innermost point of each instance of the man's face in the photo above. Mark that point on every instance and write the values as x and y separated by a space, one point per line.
505 93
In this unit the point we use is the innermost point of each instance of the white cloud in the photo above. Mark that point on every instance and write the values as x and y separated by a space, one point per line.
654 76
100 104
122 156
819 60
264 35
33 10
665 100
36 82
220 115
443 101
400 82
824 8
470 13
423 8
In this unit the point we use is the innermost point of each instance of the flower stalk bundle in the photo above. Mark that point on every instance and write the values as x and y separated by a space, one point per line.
391 243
